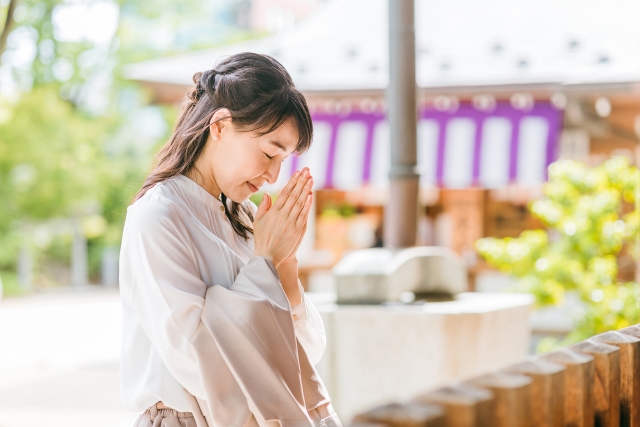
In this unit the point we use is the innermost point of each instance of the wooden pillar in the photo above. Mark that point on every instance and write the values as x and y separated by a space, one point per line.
512 398
547 391
606 384
401 213
578 400
465 209
629 375
465 406
404 415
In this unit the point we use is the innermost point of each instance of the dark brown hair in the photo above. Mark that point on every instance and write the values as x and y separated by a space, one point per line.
260 95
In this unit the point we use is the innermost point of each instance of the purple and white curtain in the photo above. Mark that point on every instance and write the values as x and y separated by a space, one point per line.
458 149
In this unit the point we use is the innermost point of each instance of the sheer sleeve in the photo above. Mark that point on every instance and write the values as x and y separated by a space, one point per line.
309 328
308 323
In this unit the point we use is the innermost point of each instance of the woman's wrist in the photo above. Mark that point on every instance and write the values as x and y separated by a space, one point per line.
267 256
288 268
288 272
290 262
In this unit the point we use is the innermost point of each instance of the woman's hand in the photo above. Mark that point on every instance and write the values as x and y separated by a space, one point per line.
278 228
293 258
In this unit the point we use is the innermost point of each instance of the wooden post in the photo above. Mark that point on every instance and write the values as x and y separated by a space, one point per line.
404 415
465 406
547 397
634 331
629 375
512 398
606 384
578 377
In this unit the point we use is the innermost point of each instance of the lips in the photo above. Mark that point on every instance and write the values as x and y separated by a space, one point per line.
252 187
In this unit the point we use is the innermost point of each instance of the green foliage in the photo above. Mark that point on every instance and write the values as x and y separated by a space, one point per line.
54 164
50 157
9 285
582 207
344 210
74 137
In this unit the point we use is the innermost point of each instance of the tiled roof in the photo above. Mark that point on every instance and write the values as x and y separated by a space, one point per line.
459 43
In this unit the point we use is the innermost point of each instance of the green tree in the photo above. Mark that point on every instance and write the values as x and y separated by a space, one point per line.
583 209
76 138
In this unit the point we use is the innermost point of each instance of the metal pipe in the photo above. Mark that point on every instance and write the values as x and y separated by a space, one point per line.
402 206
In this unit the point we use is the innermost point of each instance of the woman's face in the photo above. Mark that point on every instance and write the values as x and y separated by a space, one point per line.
241 162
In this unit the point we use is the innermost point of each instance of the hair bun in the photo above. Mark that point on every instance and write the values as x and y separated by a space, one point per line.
207 82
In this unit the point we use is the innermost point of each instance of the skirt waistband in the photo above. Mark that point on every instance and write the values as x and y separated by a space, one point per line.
165 412
158 415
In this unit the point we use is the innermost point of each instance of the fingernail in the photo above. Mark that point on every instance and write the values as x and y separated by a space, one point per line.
295 175
306 173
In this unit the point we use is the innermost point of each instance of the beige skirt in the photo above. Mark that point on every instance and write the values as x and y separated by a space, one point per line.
154 417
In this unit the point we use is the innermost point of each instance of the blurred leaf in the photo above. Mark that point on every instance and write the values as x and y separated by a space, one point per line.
584 206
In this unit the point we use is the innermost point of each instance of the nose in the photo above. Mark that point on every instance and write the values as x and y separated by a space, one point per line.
272 173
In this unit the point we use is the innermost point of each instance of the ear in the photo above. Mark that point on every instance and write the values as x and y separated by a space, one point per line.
220 119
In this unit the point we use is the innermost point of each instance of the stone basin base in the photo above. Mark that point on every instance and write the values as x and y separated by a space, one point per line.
381 353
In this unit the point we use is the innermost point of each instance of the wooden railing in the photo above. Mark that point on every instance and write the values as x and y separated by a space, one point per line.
595 383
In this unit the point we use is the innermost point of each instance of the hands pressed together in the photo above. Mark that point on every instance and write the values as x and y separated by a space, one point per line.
278 227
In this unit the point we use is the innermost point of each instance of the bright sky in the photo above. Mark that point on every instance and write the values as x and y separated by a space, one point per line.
94 21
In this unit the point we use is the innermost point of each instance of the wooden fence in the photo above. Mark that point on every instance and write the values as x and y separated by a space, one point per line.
595 383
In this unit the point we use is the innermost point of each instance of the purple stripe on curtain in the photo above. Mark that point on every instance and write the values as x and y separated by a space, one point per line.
553 138
541 109
503 109
442 142
332 155
370 120
368 151
477 149
513 147
294 166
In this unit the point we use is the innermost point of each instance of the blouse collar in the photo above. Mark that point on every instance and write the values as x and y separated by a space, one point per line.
197 191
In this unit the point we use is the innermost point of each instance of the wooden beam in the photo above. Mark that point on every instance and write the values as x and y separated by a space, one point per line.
404 415
512 395
629 375
465 406
547 398
606 384
578 396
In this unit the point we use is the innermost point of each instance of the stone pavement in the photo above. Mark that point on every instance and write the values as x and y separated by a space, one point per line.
59 360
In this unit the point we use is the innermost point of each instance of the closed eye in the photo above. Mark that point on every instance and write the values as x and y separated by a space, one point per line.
271 157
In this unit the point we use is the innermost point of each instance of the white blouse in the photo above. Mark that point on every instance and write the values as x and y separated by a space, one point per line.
177 242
